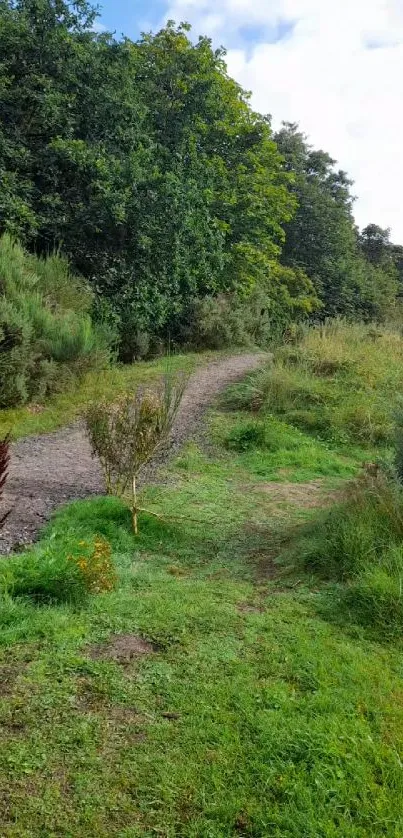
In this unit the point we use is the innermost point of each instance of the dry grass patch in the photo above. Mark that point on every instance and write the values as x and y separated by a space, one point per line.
122 648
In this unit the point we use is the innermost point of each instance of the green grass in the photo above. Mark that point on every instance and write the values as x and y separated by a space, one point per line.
281 452
255 715
65 407
340 384
270 704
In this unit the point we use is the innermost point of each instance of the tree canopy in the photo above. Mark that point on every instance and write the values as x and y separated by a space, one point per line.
352 274
146 165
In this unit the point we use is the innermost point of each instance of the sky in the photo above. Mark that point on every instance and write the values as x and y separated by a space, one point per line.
333 66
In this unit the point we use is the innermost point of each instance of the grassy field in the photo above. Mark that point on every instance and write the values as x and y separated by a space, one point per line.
111 382
219 690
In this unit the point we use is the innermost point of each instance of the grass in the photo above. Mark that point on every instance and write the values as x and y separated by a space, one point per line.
236 724
66 407
255 712
279 451
340 383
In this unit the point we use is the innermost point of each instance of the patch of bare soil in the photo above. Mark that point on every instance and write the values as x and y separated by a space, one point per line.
122 648
8 678
50 470
250 608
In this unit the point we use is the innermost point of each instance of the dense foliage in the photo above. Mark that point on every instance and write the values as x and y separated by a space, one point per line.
322 238
144 163
143 160
47 338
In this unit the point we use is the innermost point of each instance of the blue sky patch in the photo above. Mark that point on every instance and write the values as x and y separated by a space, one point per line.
253 34
131 18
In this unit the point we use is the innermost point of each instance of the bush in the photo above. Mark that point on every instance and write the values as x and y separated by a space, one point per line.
215 323
55 574
47 337
126 434
229 320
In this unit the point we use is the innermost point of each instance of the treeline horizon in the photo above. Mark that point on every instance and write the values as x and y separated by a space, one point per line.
144 164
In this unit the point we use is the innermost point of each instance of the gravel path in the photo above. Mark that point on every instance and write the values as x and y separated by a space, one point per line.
47 471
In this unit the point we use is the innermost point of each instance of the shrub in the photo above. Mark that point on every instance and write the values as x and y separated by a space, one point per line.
214 323
255 319
54 574
47 337
126 434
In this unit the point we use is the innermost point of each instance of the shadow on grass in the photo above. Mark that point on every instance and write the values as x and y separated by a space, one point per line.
111 518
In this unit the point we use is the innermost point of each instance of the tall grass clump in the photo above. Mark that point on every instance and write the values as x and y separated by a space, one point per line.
47 337
339 381
359 543
399 440
63 569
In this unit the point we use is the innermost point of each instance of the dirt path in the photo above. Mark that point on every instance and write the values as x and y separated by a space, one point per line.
47 471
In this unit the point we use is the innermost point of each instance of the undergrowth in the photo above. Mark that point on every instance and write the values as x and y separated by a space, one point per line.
47 338
337 393
339 383
111 383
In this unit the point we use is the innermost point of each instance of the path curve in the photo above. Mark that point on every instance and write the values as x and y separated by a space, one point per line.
49 470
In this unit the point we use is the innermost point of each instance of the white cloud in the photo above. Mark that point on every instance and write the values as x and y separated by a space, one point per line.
338 72
98 27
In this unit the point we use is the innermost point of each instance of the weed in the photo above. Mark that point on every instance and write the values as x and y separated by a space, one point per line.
376 599
336 384
355 534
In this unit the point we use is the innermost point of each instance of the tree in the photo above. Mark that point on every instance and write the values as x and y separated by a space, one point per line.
375 245
353 275
320 238
146 165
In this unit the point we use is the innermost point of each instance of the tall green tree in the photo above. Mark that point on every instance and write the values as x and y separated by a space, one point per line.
380 252
349 275
320 238
143 160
